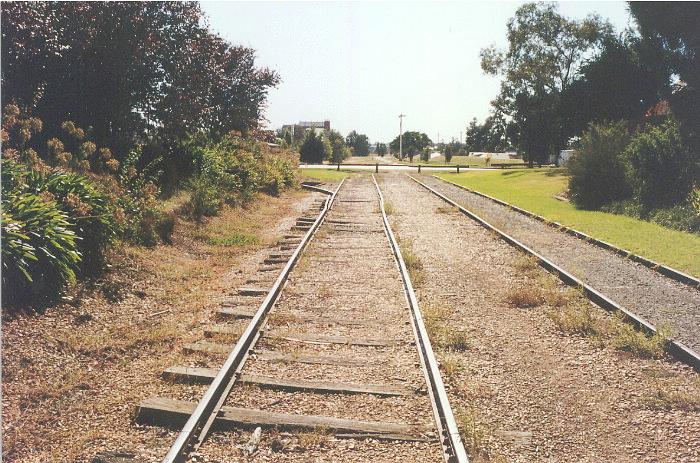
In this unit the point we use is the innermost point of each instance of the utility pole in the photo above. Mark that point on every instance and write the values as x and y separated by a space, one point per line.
401 116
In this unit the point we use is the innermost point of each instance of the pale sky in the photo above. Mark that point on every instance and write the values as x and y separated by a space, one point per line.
360 64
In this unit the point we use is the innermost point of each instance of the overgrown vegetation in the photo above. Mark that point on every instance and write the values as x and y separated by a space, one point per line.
62 209
650 175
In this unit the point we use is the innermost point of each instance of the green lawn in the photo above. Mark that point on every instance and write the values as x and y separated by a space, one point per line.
324 175
461 160
534 190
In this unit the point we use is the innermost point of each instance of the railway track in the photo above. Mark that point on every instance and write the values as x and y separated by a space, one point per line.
677 349
337 347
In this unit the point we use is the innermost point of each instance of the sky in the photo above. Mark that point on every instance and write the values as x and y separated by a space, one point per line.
361 64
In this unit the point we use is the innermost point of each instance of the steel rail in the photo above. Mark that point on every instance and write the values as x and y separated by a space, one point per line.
197 426
677 349
451 441
664 270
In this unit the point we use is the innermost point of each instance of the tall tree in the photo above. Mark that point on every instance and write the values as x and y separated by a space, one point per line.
545 50
128 69
413 143
313 150
339 150
359 143
673 27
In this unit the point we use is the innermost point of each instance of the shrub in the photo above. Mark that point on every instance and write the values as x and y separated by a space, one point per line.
660 168
205 199
597 169
39 251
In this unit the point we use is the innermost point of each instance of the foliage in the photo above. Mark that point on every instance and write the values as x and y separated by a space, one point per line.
545 50
382 149
232 171
672 29
313 150
413 143
597 168
358 143
39 249
622 81
495 134
129 68
660 168
339 150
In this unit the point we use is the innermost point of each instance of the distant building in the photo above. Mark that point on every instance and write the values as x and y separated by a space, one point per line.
496 156
298 130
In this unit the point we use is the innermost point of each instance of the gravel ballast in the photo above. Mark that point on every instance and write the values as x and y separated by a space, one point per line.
526 391
656 298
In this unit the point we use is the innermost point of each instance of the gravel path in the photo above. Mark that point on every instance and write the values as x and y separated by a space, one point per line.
533 392
347 275
658 299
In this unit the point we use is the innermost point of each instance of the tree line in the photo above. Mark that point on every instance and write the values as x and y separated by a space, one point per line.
330 146
628 103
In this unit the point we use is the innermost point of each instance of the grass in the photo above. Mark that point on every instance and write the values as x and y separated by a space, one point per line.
534 190
525 296
235 239
662 398
389 208
472 432
324 175
413 263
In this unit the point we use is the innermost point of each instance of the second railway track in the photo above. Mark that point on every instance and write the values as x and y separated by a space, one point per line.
342 356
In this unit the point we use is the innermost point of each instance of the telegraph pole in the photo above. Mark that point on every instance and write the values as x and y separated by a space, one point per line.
401 116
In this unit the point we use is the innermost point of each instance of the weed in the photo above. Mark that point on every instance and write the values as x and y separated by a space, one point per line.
236 239
311 439
473 433
389 208
446 209
525 296
413 263
663 399
627 338
450 365
526 264
454 340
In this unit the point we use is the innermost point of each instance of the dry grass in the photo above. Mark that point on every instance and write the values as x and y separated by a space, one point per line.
389 208
450 365
312 439
525 296
473 433
665 398
413 263
526 265
446 209
626 337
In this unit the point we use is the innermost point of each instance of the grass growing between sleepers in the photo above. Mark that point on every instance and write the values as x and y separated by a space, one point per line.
534 190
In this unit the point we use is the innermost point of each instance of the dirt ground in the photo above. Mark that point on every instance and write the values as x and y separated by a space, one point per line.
73 376
523 389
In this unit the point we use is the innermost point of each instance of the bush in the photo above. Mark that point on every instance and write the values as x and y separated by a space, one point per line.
205 199
39 251
660 169
597 168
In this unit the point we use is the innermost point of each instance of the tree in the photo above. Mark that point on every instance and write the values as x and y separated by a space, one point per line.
413 143
544 52
313 150
339 150
132 71
382 149
359 143
672 28
622 81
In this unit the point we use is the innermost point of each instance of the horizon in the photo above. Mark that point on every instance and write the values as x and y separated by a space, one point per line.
346 68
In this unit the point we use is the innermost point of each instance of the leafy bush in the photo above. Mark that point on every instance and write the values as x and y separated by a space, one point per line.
597 169
660 169
232 171
205 199
39 250
682 217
